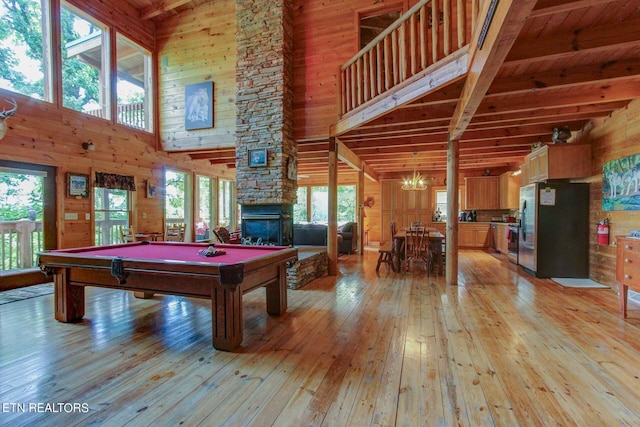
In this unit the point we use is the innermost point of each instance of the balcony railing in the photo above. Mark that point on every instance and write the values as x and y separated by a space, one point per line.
429 32
131 115
20 241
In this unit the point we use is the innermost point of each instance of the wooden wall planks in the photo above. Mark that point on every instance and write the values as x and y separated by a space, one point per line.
611 138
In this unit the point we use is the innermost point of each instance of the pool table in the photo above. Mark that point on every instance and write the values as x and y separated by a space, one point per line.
173 268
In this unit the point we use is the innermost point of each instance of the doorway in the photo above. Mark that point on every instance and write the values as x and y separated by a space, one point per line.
27 221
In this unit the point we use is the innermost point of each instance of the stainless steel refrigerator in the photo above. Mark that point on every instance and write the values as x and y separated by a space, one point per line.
554 229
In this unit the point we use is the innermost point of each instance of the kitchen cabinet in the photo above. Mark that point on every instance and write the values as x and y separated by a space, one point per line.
482 192
473 235
627 269
509 191
559 161
493 229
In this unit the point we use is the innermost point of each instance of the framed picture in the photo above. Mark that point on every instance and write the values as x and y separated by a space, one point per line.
77 185
258 157
198 106
151 190
621 184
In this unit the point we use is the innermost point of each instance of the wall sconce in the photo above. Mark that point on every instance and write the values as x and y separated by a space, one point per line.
88 146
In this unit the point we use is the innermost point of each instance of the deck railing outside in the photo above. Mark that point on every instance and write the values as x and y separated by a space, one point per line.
430 31
131 115
20 242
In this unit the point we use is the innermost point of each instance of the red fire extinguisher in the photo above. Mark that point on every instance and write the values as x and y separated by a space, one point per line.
603 232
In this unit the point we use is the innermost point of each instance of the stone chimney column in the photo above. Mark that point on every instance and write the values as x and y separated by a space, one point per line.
264 101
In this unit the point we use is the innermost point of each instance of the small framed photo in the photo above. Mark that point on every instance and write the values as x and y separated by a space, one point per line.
77 185
258 157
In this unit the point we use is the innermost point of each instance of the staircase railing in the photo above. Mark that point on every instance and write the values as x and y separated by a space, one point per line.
430 31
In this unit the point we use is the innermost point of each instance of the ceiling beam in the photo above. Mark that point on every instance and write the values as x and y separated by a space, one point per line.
161 7
502 32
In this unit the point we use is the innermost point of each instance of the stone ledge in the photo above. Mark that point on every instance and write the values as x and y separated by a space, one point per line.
312 263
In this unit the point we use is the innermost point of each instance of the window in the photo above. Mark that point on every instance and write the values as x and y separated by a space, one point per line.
374 23
111 210
441 203
134 84
24 66
346 204
300 211
21 215
26 58
226 203
85 63
175 202
205 208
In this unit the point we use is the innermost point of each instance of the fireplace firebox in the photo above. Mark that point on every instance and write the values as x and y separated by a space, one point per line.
267 225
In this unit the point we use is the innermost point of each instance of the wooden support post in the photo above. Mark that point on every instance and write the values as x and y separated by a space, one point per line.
360 198
453 164
332 238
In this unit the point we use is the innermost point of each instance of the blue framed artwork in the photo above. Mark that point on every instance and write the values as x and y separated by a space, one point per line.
198 108
621 184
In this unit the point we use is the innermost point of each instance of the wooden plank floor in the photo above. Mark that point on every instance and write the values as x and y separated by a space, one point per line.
362 349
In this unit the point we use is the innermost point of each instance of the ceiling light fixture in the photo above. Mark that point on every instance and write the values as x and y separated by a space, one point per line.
416 182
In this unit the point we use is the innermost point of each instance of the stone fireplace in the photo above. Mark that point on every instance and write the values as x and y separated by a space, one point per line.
264 120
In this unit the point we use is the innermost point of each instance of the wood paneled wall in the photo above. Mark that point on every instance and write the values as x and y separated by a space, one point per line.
611 138
195 47
317 25
41 133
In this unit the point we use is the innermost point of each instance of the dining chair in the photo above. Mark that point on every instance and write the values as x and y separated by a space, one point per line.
387 252
416 246
127 234
174 233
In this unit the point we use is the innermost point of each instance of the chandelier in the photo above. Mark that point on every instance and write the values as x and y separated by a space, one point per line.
416 182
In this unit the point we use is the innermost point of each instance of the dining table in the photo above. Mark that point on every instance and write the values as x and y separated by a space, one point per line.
435 244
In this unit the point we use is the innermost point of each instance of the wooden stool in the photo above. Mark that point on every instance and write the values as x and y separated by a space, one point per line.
386 256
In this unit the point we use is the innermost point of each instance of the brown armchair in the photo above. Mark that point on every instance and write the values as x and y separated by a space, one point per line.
224 236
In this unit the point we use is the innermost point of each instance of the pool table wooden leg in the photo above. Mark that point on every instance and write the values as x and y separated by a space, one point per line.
226 317
69 299
277 292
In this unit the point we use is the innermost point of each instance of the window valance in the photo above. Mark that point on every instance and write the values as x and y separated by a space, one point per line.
114 181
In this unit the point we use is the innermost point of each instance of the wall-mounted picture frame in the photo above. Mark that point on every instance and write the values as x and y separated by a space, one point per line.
258 157
77 185
151 190
621 184
198 106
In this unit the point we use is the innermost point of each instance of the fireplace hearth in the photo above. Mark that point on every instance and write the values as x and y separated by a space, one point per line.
267 224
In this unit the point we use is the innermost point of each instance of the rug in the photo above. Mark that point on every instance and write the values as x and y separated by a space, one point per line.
25 293
579 283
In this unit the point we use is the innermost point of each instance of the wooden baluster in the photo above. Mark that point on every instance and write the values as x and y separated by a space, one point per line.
447 26
402 51
352 69
424 27
435 13
365 77
372 73
413 42
359 82
379 68
388 61
462 28
394 56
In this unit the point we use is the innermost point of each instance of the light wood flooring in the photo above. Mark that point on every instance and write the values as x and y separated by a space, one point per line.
361 349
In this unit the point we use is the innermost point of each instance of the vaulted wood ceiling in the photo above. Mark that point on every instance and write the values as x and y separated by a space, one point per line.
573 61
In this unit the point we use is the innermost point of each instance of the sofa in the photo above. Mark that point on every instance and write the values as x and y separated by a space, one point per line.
349 242
316 235
309 235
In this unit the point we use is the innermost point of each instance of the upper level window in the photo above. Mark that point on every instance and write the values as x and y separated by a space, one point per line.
24 68
85 63
375 22
134 84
